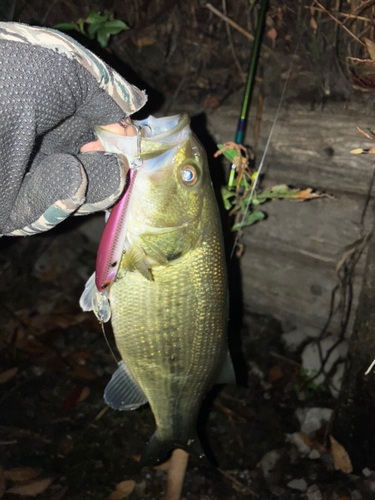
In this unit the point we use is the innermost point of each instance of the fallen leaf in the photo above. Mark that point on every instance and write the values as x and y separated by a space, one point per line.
340 456
370 47
31 489
357 151
123 490
80 355
8 375
136 458
272 34
274 373
71 400
84 394
20 474
81 371
75 396
211 102
144 42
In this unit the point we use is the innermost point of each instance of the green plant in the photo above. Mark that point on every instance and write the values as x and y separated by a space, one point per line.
309 389
240 196
95 25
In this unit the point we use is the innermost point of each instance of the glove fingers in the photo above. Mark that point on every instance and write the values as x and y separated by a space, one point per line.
106 180
50 192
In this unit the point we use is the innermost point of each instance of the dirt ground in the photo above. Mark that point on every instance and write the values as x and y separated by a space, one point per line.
58 441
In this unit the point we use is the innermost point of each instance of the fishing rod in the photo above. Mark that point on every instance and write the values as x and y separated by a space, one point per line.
254 58
246 102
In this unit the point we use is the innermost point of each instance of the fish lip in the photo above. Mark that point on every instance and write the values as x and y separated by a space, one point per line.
167 229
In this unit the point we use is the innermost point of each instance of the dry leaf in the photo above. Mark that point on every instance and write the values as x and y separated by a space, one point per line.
371 48
84 394
340 456
123 490
20 474
272 34
8 374
144 42
313 24
80 355
357 151
75 396
81 371
307 194
275 373
31 489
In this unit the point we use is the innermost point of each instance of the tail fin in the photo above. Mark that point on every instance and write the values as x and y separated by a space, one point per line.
158 450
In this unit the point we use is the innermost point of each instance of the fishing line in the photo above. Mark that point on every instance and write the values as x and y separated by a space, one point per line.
267 144
108 344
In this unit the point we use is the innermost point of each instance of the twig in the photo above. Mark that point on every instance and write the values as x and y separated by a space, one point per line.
176 474
239 486
284 358
237 62
343 14
361 5
368 197
339 22
229 21
237 27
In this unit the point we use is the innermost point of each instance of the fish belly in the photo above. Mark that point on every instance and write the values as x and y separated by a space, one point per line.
171 333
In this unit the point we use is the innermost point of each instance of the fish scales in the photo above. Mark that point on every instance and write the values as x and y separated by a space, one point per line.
170 333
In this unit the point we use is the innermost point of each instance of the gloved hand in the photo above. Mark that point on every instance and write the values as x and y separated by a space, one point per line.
52 94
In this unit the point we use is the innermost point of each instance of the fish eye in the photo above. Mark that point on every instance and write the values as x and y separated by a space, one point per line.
189 175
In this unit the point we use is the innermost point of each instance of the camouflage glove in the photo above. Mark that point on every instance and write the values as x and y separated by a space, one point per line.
52 93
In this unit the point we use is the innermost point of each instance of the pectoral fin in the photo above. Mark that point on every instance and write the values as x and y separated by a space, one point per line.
135 259
227 374
123 392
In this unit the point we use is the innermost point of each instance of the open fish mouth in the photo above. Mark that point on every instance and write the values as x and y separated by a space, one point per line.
159 135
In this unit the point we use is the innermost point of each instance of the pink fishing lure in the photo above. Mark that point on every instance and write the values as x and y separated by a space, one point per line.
112 242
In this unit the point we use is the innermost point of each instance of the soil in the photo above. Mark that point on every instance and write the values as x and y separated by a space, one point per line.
55 362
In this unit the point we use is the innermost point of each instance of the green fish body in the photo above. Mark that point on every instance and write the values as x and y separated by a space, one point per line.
169 300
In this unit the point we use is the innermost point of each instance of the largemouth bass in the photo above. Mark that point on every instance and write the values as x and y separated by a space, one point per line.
169 300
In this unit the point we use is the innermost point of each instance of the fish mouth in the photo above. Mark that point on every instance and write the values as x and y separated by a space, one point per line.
158 137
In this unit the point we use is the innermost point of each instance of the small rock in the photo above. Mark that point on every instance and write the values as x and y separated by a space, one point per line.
312 419
356 495
297 484
367 472
313 493
297 440
314 454
295 338
268 462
